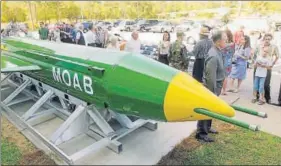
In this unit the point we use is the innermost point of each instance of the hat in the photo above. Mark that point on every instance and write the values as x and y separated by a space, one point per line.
180 33
204 31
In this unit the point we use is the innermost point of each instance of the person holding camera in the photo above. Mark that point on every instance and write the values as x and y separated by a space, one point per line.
239 62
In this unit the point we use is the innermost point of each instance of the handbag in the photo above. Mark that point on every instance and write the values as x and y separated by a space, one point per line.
234 57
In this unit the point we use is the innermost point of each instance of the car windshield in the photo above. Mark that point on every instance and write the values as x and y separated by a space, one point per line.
141 22
161 23
122 23
196 24
100 24
188 23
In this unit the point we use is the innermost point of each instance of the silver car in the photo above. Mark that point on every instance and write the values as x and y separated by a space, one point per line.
127 25
163 26
185 26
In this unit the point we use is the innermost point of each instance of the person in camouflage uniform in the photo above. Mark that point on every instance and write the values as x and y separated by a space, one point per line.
178 53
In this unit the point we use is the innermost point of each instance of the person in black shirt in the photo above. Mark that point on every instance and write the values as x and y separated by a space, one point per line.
200 52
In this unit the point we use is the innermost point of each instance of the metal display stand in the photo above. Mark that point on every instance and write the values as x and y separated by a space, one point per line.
79 118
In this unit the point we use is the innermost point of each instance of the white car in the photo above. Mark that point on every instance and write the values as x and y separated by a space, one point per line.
194 32
163 26
126 25
185 26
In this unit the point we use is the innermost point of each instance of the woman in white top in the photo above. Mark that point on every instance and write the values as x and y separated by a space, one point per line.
163 48
113 44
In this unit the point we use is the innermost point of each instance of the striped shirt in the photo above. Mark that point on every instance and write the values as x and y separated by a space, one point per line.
202 48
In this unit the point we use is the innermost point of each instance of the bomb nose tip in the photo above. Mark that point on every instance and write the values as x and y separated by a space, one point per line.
184 94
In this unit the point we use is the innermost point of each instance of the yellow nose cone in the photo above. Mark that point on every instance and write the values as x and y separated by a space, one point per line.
184 94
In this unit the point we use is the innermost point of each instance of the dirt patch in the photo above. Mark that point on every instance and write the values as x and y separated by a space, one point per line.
30 154
222 127
36 158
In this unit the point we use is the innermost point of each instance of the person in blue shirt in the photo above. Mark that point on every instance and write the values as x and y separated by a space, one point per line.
73 33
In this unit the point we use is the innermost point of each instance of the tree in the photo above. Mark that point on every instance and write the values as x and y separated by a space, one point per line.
5 9
71 11
13 13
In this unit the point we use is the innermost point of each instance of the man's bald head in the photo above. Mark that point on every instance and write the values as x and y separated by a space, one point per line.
135 35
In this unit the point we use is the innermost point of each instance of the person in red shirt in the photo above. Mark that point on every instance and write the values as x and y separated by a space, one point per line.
238 34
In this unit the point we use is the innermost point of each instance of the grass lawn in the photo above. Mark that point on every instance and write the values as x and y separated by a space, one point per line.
17 150
233 146
10 153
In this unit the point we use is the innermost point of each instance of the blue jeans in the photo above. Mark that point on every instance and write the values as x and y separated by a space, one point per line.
259 84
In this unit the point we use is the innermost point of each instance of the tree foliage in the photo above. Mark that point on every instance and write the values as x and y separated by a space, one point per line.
49 11
13 13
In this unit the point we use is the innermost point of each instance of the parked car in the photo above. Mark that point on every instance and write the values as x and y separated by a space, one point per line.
105 25
162 26
149 51
215 23
116 23
145 25
127 25
194 31
185 26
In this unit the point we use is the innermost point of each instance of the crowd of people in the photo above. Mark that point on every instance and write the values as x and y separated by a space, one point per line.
222 57
94 37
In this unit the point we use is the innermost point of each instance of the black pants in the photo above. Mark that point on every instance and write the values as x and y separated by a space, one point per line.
100 45
266 85
163 58
66 40
203 127
92 45
198 69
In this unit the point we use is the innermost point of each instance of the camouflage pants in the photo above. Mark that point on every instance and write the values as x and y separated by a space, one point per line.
178 66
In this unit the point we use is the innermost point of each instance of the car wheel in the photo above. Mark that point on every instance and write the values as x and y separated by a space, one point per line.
162 30
142 29
172 30
279 28
128 29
